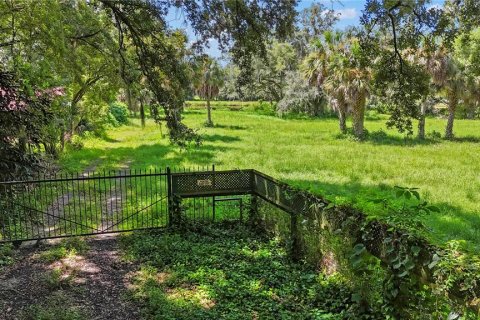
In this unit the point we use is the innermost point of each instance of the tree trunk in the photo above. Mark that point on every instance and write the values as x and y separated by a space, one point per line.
129 98
421 122
209 114
452 106
142 113
342 120
451 118
358 119
71 118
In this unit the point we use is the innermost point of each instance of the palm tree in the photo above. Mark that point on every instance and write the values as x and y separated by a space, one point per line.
317 66
471 98
209 81
447 75
335 66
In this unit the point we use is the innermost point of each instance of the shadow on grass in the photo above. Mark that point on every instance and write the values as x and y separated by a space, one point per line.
231 127
471 139
144 156
109 139
380 137
219 137
451 223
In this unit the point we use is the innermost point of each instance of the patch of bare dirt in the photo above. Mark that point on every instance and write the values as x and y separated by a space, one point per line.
96 282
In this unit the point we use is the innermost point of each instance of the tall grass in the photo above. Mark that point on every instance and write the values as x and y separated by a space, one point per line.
312 155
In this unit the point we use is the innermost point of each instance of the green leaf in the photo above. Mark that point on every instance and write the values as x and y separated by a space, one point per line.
416 194
359 248
403 274
435 260
356 297
433 209
415 250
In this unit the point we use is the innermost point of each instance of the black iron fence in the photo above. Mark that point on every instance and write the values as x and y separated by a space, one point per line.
115 201
83 204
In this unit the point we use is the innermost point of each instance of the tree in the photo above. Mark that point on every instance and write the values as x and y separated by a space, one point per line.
312 23
471 98
241 27
446 73
67 44
209 79
391 31
338 67
300 97
24 117
467 52
269 72
406 26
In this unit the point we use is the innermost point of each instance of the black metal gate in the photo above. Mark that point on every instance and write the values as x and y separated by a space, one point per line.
91 203
117 201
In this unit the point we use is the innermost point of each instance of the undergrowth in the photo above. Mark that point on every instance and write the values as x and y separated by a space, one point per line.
231 273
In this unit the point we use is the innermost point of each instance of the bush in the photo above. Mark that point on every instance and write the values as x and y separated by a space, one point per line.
120 113
302 98
111 120
76 143
6 254
265 108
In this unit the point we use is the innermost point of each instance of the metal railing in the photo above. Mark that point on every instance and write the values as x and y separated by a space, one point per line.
91 203
83 204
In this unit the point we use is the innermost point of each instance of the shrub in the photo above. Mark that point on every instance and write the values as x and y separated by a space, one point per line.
6 254
120 112
302 98
76 143
111 120
265 108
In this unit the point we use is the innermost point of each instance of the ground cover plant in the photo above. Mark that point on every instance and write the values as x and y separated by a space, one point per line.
231 272
310 154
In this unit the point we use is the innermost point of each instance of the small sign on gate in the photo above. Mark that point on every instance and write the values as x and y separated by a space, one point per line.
204 183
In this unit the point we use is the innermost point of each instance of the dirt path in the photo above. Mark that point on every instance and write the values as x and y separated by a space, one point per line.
113 204
55 213
56 210
93 284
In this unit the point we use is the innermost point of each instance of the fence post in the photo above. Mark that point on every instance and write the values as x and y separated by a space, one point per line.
213 198
169 196
295 239
253 215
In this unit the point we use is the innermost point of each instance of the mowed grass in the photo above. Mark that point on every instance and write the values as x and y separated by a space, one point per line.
310 154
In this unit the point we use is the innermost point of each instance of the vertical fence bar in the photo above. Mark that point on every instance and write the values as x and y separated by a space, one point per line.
213 198
90 200
169 196
55 209
75 207
136 196
152 207
141 213
30 205
130 179
121 212
95 199
45 199
110 200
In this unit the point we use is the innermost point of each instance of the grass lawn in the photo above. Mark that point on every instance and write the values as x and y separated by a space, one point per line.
310 153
